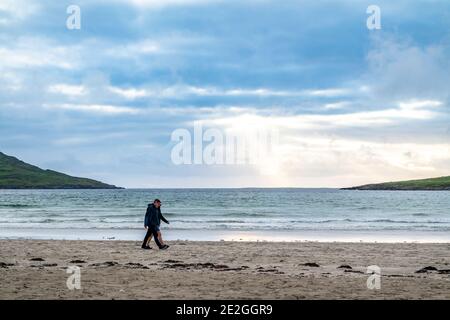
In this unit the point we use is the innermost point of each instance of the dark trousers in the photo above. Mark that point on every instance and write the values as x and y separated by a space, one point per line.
151 230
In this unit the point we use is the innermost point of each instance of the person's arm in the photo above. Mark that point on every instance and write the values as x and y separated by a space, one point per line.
147 214
162 218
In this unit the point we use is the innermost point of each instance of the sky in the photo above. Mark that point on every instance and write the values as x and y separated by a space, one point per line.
348 105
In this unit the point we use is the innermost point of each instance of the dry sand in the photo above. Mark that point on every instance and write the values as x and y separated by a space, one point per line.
222 270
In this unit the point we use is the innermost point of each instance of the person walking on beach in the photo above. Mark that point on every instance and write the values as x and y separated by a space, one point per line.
152 223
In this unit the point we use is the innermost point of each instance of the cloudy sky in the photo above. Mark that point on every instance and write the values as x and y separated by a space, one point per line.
349 105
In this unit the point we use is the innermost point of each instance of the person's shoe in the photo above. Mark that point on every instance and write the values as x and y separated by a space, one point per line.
146 247
164 247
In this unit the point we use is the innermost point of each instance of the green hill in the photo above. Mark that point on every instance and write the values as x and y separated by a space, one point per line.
442 183
16 174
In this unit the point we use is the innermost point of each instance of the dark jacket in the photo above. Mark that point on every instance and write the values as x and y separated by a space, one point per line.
153 216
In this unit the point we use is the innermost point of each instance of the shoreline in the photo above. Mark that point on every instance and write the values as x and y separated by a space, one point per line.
37 269
321 236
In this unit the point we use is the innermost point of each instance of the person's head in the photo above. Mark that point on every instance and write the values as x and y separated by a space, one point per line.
157 203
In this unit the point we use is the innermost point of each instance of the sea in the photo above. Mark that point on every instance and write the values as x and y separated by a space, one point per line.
249 214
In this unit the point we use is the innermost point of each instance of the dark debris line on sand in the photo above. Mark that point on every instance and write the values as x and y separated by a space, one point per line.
353 271
136 265
37 259
215 267
6 265
42 265
310 264
426 269
206 265
431 268
104 264
77 261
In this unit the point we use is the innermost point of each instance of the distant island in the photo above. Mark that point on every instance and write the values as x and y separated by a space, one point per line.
16 174
442 183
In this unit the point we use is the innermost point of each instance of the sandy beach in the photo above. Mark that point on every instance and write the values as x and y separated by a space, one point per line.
36 269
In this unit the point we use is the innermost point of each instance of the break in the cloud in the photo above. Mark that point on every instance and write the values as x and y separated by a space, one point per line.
351 105
152 4
14 11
